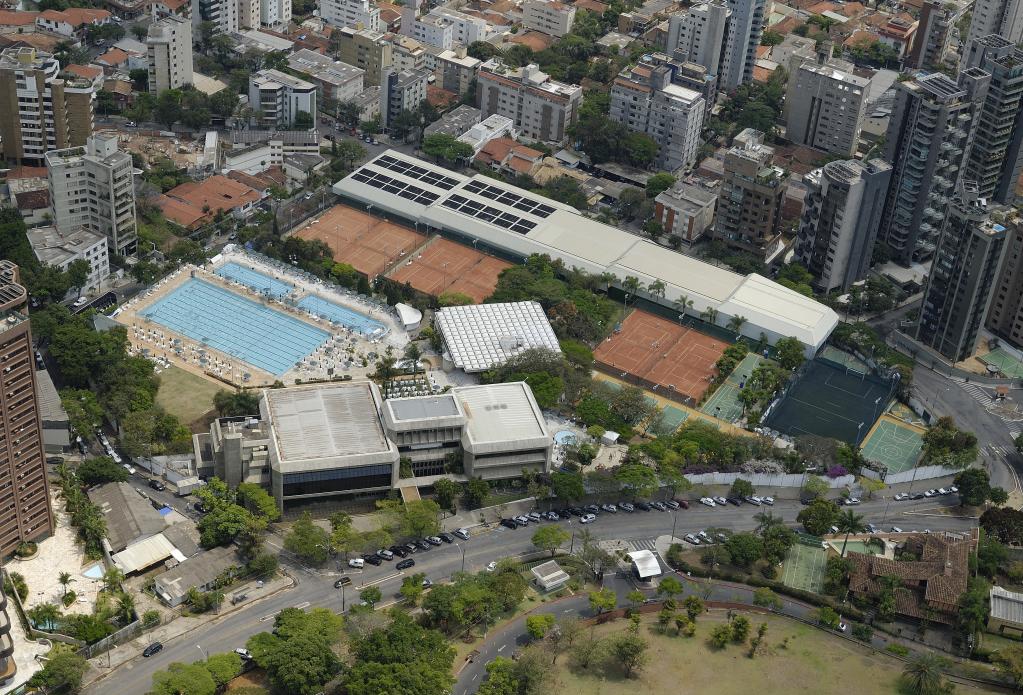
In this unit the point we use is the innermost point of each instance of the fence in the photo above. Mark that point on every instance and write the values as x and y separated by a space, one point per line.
128 632
918 473
766 479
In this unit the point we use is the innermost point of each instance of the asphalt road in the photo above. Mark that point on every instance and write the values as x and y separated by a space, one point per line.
316 588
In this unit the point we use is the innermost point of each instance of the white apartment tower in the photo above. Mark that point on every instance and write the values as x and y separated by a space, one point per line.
1002 17
548 16
358 14
826 104
700 35
744 32
278 98
274 14
170 54
225 14
92 187
541 108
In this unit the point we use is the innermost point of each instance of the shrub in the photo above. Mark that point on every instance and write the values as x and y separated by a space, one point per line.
863 632
770 571
25 549
898 650
16 583
69 598
150 619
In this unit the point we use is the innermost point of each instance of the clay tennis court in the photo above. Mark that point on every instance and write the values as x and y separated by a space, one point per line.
369 244
445 266
672 360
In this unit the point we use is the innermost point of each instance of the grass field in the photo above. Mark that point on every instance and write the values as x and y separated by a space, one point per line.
812 662
185 395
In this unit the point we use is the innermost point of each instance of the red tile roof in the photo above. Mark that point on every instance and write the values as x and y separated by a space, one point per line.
113 57
9 18
89 72
184 204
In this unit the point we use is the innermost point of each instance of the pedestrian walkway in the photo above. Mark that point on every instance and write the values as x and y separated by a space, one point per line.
986 398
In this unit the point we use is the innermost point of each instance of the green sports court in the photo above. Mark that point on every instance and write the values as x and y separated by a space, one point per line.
804 565
671 418
725 403
1008 365
893 444
830 352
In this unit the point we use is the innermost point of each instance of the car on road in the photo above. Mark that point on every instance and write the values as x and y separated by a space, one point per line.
446 537
357 562
434 540
708 502
587 518
690 538
901 496
343 581
626 507
852 501
399 550
509 523
671 504
896 529
609 508
157 485
462 533
643 506
154 648
385 554
243 653
491 567
405 564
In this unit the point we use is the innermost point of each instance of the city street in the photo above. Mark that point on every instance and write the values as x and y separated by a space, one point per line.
316 588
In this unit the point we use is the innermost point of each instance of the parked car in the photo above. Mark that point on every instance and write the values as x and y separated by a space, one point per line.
944 491
385 554
901 496
842 627
446 537
690 538
411 547
626 507
373 559
896 529
708 502
357 562
683 503
659 506
587 518
154 648
754 500
852 501
243 653
737 501
462 533
609 508
552 516
720 500
157 485
702 535
491 567
591 509
423 545
522 520
399 550
671 504
434 540
643 506
509 523
427 583
343 581
769 501
919 495
405 564
534 517
954 490
55 460
238 598
931 493
871 528
833 530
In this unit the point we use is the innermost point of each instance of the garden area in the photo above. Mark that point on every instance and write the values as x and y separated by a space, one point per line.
186 396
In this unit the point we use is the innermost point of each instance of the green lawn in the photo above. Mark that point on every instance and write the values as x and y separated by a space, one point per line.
812 662
185 395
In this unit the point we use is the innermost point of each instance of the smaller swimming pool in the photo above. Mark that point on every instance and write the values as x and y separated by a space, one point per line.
260 282
565 438
94 571
325 309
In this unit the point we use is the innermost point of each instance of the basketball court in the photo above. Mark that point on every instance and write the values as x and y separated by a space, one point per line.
670 359
369 244
445 266
725 403
893 444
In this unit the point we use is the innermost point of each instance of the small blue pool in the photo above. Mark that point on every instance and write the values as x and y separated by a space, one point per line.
340 314
260 282
236 326
94 571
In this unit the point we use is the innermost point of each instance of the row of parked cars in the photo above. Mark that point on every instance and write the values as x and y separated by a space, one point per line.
589 513
403 551
939 492
755 500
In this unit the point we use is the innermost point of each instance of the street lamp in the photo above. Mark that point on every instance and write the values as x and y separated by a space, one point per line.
204 652
459 546
674 521
342 598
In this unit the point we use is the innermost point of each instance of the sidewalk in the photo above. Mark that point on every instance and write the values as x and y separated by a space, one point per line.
104 664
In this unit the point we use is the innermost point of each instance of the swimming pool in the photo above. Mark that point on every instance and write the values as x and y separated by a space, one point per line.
340 314
237 326
260 282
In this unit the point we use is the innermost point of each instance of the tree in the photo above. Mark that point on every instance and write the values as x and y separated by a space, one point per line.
224 667
777 541
849 522
550 538
998 496
193 679
947 445
447 492
766 598
298 655
818 517
412 588
258 501
790 353
670 587
62 672
78 274
636 479
236 403
922 674
974 487
721 635
371 595
307 540
417 518
65 579
741 488
744 548
740 629
815 486
476 492
567 487
167 109
658 183
828 617
631 652
603 600
448 148
1009 661
99 470
537 626
140 31
694 607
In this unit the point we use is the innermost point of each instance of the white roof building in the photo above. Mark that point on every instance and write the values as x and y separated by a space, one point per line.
522 223
645 564
479 337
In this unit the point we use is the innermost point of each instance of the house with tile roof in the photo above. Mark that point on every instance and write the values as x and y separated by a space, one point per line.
73 21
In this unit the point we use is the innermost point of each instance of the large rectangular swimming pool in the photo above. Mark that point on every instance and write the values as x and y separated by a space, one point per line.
260 282
340 314
237 326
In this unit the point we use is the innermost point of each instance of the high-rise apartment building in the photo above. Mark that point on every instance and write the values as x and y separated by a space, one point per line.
932 36
841 213
224 14
92 187
442 27
541 108
275 14
700 35
8 666
170 54
367 49
402 91
645 100
41 109
357 14
826 104
995 160
749 206
548 16
744 31
963 274
1005 316
457 70
279 98
926 141
24 498
1002 17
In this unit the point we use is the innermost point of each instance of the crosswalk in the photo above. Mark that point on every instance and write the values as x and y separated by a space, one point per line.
644 544
985 398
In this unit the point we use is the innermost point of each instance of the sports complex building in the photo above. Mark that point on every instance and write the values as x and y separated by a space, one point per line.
515 223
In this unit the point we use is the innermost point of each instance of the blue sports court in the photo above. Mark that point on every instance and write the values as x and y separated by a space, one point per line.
336 313
260 282
236 326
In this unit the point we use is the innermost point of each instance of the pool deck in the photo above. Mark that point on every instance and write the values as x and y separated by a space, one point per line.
343 352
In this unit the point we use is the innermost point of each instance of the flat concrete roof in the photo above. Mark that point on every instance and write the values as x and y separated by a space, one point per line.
501 413
424 407
325 421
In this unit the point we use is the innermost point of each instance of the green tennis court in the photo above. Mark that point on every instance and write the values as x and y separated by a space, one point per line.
1006 363
804 567
894 445
725 403
672 418
830 352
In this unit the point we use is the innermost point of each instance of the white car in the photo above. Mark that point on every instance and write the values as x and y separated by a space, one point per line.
842 627
901 496
690 538
931 493
721 500
896 529
704 537
609 508
357 562
708 501
114 456
852 501
81 301
491 567
769 501
243 653
462 533
944 491
953 489
125 466
587 518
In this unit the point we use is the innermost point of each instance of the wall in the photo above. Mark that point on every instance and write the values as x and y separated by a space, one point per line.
766 479
918 473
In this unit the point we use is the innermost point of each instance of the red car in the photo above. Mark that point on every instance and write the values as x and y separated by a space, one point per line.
683 504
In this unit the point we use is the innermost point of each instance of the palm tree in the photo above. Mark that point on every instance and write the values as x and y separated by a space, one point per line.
45 614
657 288
922 674
735 323
710 315
682 304
125 608
112 579
65 578
767 520
607 278
849 522
631 285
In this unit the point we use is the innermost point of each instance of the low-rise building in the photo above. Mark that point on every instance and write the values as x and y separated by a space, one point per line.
52 416
479 337
191 205
59 249
548 16
198 572
236 450
129 516
549 576
488 130
335 81
1006 616
278 98
72 22
686 210
455 122
457 70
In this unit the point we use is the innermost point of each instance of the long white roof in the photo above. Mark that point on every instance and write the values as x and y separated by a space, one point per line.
524 223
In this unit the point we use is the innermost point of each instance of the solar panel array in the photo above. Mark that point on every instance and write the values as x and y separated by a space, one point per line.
476 209
417 172
399 188
533 207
